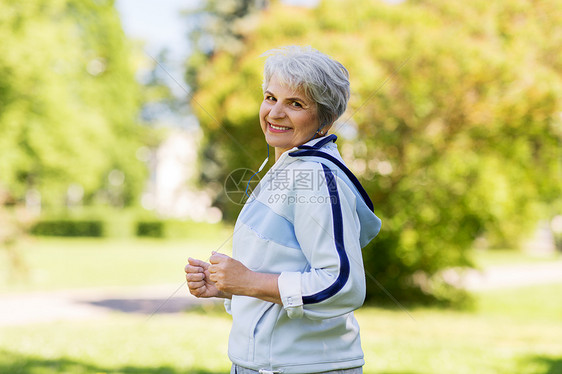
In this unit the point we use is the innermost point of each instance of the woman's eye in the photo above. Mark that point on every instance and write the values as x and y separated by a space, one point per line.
270 98
297 104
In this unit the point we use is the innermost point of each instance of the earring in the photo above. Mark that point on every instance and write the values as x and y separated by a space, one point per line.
321 132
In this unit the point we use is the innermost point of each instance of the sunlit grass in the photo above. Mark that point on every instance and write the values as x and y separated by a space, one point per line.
55 263
494 338
189 343
515 331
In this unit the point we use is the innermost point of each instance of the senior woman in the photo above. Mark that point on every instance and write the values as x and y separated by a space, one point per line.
296 273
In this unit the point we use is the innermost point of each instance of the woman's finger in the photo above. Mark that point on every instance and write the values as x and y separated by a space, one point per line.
217 258
197 291
197 263
193 269
213 277
195 285
194 277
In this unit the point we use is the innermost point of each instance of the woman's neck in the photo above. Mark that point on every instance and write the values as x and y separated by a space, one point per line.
279 151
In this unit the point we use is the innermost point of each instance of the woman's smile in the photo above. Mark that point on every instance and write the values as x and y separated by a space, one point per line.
277 128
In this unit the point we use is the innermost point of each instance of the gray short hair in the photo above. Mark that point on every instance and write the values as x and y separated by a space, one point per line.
322 79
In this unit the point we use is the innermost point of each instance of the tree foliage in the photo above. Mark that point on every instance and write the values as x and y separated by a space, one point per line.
454 125
68 100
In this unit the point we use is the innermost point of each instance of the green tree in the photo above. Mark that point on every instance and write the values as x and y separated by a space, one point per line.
68 101
454 124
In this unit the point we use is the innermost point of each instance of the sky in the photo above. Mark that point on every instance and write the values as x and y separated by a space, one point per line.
157 22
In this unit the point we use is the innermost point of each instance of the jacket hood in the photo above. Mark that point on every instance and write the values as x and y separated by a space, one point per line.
325 151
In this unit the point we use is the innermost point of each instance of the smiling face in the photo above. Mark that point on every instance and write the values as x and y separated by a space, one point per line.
287 117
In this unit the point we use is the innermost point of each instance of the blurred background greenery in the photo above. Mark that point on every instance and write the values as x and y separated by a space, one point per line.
109 177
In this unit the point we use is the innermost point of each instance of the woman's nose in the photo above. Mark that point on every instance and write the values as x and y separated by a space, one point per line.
277 111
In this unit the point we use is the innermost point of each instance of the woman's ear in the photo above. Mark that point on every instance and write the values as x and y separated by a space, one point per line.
323 130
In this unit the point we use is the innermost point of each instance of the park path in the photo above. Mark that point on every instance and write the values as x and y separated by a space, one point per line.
510 276
37 307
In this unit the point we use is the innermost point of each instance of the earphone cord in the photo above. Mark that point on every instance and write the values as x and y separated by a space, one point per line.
260 169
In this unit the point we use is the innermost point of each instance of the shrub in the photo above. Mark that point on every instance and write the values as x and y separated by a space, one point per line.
68 227
153 229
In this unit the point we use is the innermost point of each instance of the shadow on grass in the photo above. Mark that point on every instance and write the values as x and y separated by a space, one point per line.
145 306
14 363
149 306
550 365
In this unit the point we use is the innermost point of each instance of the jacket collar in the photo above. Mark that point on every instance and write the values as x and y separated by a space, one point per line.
318 143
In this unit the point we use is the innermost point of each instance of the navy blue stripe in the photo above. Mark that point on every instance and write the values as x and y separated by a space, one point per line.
306 147
340 165
320 143
335 287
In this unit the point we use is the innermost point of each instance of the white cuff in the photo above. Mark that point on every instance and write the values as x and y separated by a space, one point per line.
289 284
227 306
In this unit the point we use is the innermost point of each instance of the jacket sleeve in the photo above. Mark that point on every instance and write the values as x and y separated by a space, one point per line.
327 228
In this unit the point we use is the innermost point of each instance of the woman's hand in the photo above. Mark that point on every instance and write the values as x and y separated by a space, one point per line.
229 275
199 280
232 277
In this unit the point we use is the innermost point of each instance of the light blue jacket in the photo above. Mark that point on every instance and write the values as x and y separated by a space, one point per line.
307 220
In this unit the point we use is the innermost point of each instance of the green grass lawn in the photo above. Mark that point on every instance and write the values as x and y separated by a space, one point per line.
508 331
57 263
515 331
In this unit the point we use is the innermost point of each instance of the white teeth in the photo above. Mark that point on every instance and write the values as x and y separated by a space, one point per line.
279 127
